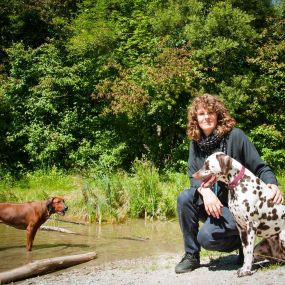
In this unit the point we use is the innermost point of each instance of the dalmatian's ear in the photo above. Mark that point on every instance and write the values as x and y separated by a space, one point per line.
225 162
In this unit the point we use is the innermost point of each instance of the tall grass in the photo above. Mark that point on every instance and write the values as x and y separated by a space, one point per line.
38 185
110 197
143 193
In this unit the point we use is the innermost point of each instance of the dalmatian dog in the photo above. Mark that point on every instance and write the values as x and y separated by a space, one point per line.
250 204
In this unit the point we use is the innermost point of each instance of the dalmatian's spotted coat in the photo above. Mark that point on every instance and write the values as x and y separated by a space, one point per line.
249 202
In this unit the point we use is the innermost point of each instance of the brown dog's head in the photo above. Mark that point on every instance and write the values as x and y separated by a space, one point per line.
216 167
56 205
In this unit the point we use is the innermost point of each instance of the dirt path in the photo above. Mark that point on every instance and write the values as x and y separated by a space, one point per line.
160 270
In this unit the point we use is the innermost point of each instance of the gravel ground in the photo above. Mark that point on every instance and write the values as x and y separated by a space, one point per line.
160 270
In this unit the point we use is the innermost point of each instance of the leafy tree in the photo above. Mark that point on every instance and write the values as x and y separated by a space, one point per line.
102 82
33 22
223 39
53 122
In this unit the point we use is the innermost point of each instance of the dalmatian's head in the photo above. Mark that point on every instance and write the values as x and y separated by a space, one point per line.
216 167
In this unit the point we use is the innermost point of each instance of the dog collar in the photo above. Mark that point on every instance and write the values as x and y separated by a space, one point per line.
237 178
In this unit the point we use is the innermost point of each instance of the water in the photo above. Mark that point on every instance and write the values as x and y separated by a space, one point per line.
133 239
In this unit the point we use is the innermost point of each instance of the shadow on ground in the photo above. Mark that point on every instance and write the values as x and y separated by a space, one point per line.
229 263
223 263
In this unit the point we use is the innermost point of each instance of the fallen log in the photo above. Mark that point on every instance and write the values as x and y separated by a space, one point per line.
44 266
57 229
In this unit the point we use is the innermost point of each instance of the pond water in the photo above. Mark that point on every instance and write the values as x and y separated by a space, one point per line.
111 242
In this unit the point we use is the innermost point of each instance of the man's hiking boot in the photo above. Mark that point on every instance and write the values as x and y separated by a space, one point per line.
189 262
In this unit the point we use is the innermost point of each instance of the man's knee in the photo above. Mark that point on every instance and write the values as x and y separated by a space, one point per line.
210 239
205 239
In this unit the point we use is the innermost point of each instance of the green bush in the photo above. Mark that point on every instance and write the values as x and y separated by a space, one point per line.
270 144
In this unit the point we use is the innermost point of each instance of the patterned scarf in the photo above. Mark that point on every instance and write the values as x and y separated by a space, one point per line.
212 143
209 145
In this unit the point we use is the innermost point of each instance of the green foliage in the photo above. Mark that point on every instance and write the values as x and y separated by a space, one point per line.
275 158
107 157
270 142
115 197
100 83
223 38
32 23
38 185
53 122
281 180
100 86
269 62
267 136
146 193
142 194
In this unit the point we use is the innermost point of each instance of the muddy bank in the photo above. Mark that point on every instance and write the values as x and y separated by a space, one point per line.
160 270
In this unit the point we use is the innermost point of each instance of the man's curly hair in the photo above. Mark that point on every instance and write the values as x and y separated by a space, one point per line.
211 103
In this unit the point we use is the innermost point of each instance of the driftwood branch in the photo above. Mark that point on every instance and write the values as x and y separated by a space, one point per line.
134 238
57 229
70 222
44 266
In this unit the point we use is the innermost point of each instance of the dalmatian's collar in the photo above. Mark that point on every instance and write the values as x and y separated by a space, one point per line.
237 178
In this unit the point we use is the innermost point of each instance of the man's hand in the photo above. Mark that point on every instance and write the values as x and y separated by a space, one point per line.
211 202
276 194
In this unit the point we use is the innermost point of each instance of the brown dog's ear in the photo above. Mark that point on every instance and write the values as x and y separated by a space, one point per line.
225 162
49 204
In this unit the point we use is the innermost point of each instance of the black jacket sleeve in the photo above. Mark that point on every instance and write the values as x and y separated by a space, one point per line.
243 150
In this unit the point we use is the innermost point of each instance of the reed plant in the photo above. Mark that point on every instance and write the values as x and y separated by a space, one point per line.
106 197
143 193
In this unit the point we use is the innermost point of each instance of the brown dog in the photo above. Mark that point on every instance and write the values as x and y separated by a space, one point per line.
30 216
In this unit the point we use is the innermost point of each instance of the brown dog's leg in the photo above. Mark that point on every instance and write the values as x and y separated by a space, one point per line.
276 244
31 233
262 250
271 249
